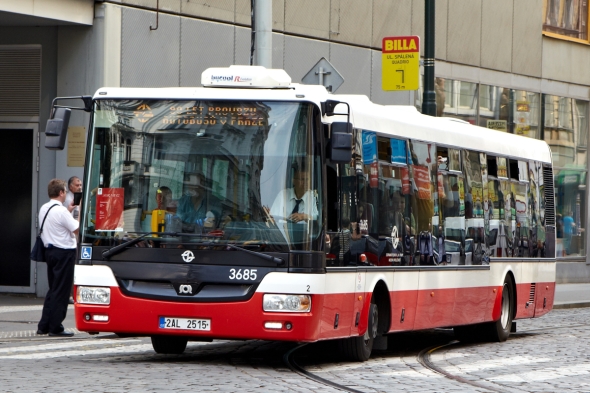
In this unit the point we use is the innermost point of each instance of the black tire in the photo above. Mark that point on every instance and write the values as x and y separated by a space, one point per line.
359 348
170 345
500 329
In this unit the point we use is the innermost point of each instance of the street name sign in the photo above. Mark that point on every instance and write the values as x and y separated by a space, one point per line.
400 63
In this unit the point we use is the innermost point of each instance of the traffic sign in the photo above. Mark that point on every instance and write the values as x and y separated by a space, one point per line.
400 63
324 73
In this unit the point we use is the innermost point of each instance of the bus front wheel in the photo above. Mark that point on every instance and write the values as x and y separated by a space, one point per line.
359 348
170 345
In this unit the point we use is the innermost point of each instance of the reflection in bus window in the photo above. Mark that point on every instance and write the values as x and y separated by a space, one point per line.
220 163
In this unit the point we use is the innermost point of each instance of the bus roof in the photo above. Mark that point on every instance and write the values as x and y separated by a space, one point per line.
258 83
406 122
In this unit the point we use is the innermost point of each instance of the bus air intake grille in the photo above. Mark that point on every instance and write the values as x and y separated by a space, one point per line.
549 196
532 293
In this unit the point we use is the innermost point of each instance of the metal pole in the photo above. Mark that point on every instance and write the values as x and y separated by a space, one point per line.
263 29
429 95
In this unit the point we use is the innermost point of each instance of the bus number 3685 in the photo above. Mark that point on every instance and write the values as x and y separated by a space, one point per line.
246 274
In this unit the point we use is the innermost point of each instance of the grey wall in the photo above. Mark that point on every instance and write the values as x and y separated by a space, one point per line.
503 36
182 48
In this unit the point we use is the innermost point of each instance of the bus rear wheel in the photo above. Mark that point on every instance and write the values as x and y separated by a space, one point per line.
500 329
170 345
359 348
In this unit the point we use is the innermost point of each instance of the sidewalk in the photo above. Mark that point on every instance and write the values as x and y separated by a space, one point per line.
572 296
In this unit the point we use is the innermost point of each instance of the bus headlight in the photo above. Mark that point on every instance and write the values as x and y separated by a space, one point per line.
93 295
286 303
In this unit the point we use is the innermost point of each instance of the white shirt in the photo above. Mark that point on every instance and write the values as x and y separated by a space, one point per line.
286 200
59 226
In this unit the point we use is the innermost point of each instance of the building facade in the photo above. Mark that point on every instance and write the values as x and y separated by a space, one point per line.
518 66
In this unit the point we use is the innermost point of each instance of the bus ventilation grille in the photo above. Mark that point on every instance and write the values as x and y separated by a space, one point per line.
549 196
532 293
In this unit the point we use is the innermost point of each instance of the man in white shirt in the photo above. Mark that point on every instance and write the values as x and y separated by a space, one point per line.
59 237
297 204
74 185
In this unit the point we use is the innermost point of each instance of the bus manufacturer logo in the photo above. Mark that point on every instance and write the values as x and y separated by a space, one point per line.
188 256
185 289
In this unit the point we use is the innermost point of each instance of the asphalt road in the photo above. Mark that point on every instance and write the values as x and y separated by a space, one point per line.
548 354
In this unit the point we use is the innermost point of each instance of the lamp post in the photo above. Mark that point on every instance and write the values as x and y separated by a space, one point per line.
429 95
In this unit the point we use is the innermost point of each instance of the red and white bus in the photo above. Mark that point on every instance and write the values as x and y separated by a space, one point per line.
411 222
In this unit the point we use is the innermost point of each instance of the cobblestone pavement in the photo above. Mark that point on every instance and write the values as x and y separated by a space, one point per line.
549 354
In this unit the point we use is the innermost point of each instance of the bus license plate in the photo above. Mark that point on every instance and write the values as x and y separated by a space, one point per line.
185 323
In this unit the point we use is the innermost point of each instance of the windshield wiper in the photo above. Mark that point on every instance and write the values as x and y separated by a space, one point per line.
106 254
270 258
117 249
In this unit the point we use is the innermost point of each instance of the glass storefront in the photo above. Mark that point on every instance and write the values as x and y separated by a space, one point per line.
561 121
565 130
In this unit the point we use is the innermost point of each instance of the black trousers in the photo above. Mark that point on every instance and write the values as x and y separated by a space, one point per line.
60 275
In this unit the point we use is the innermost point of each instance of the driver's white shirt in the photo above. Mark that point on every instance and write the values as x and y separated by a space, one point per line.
286 200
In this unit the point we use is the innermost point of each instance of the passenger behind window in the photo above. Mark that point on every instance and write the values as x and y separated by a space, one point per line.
442 255
341 244
425 248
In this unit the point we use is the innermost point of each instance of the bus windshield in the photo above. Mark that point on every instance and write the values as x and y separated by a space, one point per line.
201 172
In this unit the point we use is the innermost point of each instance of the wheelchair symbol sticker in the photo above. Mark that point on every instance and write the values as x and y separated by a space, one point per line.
86 253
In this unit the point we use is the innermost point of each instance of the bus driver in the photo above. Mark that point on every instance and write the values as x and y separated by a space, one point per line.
296 204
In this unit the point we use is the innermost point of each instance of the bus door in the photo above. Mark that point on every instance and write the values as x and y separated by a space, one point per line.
338 316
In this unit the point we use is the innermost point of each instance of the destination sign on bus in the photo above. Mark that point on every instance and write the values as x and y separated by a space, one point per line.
211 115
178 113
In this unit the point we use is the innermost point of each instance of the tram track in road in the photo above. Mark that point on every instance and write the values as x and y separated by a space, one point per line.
423 356
290 362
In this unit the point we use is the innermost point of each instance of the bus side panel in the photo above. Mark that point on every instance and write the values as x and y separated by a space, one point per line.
435 302
523 308
527 274
338 305
471 304
403 298
545 297
474 297
535 301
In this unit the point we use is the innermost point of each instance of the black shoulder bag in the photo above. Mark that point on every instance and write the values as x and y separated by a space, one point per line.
38 251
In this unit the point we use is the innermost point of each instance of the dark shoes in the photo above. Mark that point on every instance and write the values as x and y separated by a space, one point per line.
61 334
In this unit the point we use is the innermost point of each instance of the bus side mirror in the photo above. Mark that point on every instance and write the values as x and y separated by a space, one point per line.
340 147
57 129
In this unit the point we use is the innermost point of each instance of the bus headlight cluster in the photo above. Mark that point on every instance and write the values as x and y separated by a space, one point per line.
286 303
93 295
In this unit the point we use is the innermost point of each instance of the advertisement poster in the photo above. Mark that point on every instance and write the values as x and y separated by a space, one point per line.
398 151
109 209
369 147
405 181
422 180
374 175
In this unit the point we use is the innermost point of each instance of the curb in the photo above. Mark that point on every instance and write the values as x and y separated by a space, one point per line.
571 305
